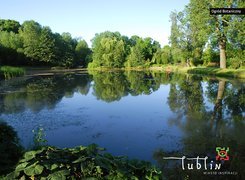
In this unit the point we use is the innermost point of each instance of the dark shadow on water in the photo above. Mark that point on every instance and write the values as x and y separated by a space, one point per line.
205 129
10 149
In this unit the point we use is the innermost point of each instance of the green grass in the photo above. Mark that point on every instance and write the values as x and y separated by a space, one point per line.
234 73
211 71
8 72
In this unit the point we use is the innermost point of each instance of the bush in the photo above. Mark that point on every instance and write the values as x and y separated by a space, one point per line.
92 65
78 163
235 62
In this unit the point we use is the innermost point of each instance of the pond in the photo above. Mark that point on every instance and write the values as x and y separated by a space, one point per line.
143 115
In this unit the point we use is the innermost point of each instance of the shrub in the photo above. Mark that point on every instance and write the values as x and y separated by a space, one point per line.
78 163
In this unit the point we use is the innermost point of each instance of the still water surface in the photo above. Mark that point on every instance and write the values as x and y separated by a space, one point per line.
136 114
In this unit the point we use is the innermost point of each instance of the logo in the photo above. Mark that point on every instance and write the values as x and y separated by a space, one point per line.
222 153
203 162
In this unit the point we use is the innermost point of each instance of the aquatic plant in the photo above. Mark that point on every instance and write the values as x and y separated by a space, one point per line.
9 72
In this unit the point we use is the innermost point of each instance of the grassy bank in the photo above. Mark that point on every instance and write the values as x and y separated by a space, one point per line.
80 163
8 72
211 71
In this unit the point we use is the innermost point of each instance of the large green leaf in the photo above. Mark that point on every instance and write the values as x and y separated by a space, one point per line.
30 155
59 175
33 170
12 175
54 166
21 166
81 159
23 177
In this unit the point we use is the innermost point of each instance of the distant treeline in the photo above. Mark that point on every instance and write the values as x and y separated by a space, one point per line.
36 45
197 38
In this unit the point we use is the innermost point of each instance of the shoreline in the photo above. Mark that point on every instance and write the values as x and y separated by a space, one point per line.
202 70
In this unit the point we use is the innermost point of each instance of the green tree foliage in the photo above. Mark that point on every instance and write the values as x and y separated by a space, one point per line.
11 49
30 33
46 46
142 52
196 38
9 25
136 56
194 29
210 57
198 18
82 53
162 56
33 44
109 49
179 42
112 52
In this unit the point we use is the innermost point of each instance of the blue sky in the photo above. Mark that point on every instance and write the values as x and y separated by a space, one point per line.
84 18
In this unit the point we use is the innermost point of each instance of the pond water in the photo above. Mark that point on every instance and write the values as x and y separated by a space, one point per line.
143 115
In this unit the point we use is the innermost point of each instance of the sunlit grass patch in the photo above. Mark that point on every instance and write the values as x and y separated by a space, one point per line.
9 72
236 73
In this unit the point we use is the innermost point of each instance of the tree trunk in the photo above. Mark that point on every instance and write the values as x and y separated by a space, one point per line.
217 112
222 48
221 89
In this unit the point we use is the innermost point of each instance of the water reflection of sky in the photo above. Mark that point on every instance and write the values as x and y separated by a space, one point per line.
134 126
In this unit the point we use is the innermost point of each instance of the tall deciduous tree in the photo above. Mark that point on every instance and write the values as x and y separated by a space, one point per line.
142 52
82 52
46 46
30 32
219 27
108 50
163 56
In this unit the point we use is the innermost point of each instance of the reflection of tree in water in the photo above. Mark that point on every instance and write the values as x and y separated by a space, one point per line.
10 149
112 86
109 86
206 129
43 92
144 82
186 95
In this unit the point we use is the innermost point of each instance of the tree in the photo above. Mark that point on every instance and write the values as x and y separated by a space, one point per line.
142 52
30 33
218 27
46 46
179 39
9 25
108 50
162 56
175 31
113 52
198 18
136 56
65 50
11 49
82 52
